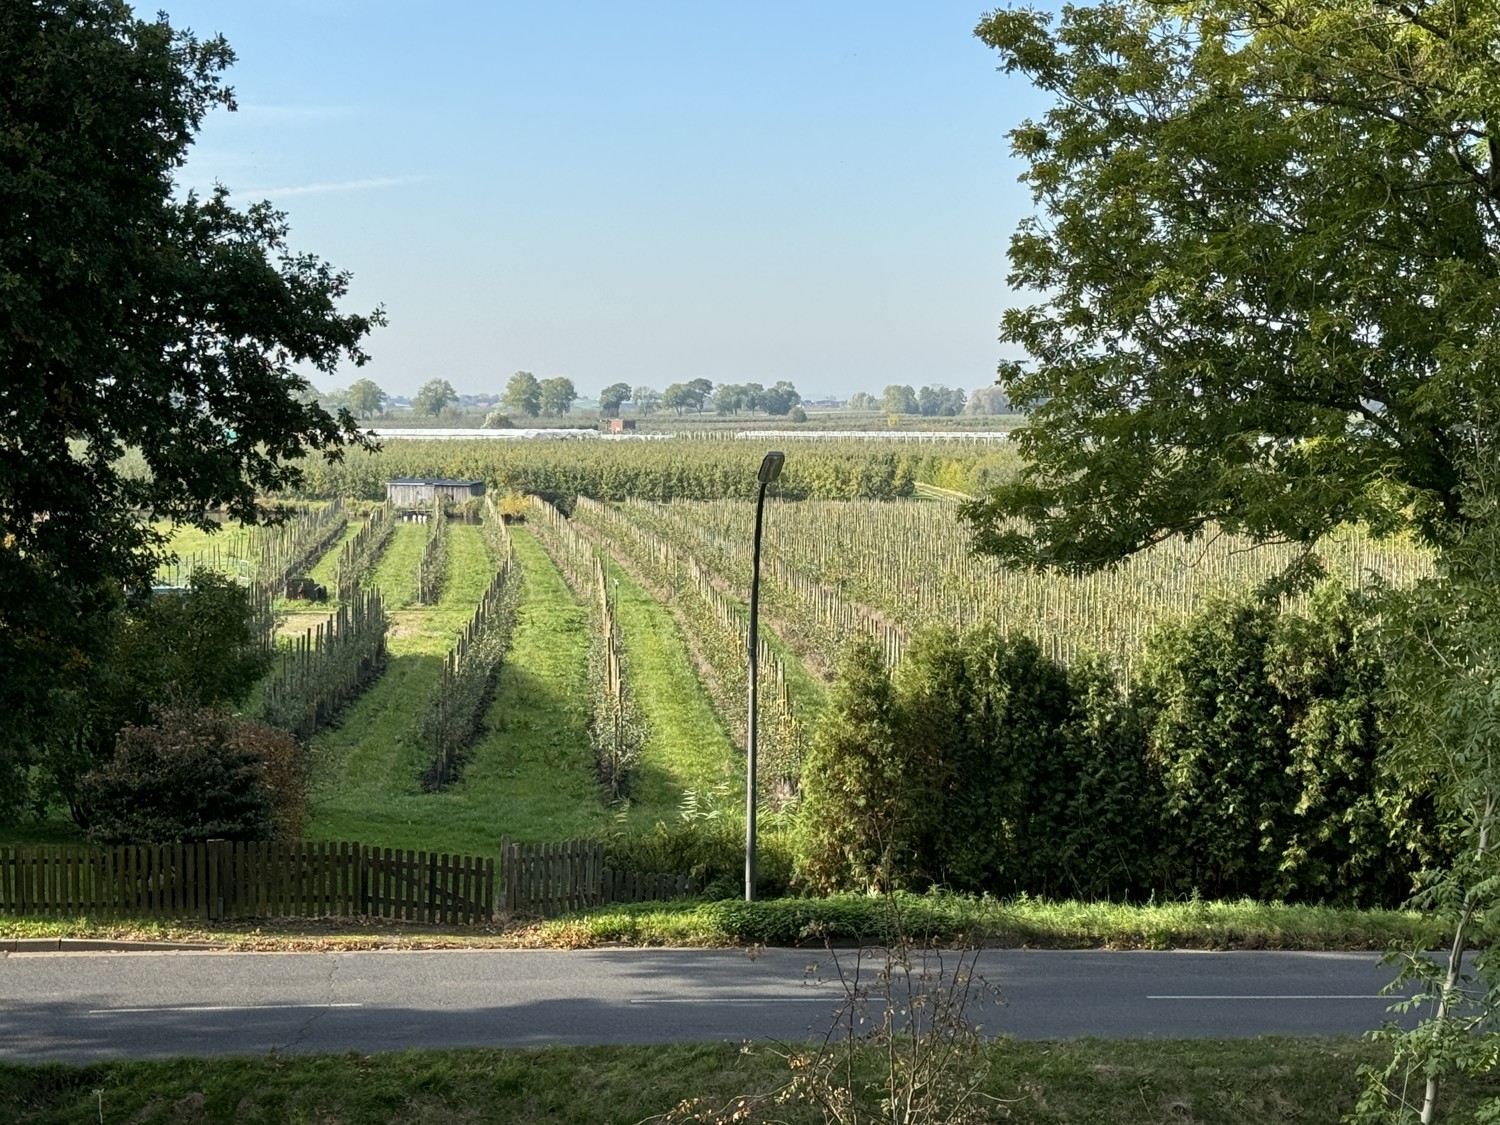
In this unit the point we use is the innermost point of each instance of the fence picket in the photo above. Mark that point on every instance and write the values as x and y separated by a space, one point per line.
570 875
218 880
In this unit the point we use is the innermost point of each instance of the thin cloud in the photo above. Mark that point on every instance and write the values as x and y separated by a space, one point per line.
262 111
334 187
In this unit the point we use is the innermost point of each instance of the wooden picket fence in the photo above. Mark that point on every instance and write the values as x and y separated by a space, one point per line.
220 879
558 878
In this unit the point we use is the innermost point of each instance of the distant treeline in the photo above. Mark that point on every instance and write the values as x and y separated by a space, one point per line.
686 469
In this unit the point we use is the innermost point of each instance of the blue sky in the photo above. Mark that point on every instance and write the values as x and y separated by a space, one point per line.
647 193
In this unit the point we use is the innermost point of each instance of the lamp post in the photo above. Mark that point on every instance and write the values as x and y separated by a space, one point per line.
770 469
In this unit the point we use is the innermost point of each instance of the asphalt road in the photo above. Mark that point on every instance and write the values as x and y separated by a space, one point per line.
83 1006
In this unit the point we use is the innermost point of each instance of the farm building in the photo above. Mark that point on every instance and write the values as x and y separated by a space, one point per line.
409 492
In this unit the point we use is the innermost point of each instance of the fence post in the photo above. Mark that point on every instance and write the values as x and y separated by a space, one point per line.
507 875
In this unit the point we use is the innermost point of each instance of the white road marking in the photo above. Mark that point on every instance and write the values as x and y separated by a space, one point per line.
1360 996
748 1000
217 1008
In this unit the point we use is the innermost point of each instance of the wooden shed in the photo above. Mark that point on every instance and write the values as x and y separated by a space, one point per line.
412 492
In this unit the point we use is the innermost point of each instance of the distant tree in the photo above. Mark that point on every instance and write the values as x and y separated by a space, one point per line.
556 396
899 399
940 402
699 389
365 399
779 399
612 397
433 396
523 394
677 397
862 401
797 414
646 399
731 398
988 400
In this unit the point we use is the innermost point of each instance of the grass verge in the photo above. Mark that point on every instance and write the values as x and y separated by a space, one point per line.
843 919
1206 1081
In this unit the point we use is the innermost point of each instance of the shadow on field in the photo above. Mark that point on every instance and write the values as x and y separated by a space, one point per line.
531 719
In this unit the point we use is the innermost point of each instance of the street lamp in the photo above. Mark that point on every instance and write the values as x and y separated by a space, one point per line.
770 469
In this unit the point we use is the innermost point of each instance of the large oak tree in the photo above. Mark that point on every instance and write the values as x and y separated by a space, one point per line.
135 321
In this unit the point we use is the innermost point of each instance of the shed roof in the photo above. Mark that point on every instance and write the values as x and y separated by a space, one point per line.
431 480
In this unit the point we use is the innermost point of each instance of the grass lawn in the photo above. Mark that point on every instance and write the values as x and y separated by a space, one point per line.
528 777
396 573
1081 1082
687 746
326 569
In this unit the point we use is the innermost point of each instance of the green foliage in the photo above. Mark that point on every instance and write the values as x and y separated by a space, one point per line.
455 715
294 545
523 394
1444 714
432 396
200 644
1267 248
1357 831
1219 748
940 402
556 395
193 774
862 802
685 468
1245 761
899 398
361 554
1266 732
1049 1082
706 840
719 625
612 397
432 567
132 316
366 399
322 671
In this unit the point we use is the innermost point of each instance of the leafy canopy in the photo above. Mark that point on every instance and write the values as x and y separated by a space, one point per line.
133 319
523 394
556 395
1265 266
366 399
612 397
433 396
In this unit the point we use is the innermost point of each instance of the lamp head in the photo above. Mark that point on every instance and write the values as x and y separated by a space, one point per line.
770 468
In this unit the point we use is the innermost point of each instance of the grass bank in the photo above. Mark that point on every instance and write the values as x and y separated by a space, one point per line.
1209 1082
847 918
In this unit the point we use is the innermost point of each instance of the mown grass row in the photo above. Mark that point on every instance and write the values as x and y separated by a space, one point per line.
527 776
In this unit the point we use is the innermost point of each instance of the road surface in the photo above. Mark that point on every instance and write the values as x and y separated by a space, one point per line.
86 1006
